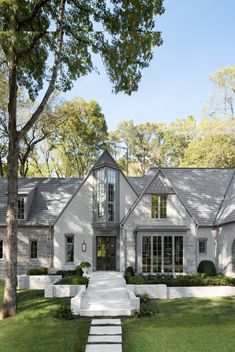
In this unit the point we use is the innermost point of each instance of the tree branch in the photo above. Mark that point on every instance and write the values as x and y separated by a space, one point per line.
34 13
32 45
51 87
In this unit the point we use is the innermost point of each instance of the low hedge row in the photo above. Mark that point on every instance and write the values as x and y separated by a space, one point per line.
182 280
73 280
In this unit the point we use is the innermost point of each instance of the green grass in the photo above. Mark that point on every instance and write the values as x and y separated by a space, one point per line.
184 325
36 330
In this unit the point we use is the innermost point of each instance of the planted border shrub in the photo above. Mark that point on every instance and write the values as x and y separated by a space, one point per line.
182 280
129 272
38 271
64 312
206 267
66 273
73 280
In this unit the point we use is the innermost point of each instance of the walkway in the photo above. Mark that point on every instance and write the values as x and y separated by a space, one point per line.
105 336
106 295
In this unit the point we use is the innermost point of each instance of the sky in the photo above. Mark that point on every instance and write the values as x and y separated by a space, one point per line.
199 37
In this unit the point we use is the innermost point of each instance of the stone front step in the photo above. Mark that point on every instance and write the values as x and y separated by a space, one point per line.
104 348
105 338
106 322
105 312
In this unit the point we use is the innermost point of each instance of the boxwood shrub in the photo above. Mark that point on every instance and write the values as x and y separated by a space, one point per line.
206 267
73 280
182 280
39 271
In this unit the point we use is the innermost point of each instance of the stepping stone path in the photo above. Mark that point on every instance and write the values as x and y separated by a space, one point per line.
105 336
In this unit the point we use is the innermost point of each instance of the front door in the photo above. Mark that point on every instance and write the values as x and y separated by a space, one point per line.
106 252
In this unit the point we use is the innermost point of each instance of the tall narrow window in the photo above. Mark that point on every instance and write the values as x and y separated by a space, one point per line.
146 254
179 248
1 249
69 247
100 193
34 249
157 254
159 206
21 210
111 194
168 254
202 245
233 256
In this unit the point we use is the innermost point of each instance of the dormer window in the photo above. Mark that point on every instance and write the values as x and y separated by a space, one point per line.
21 208
159 206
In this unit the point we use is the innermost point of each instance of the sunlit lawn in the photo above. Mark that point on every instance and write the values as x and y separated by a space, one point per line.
36 330
196 325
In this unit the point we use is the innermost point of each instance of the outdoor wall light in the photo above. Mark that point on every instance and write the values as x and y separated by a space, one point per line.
84 246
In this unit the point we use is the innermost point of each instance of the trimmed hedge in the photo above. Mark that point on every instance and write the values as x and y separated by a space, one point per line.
73 280
206 267
39 271
182 280
66 273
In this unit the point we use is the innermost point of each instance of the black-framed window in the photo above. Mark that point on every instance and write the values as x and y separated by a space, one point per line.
162 254
159 206
111 194
21 208
33 249
202 246
1 249
69 249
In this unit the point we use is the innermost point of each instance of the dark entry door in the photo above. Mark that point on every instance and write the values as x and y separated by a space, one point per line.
106 252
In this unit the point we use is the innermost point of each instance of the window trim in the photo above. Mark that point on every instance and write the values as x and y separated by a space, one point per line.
198 246
160 198
30 249
66 236
25 207
2 246
162 235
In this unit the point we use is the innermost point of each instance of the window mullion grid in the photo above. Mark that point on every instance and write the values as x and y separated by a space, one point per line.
173 254
162 245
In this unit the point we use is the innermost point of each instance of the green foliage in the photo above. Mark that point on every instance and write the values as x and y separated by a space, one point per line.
144 298
64 312
78 271
207 267
125 44
39 271
182 280
83 265
73 280
78 139
147 309
65 273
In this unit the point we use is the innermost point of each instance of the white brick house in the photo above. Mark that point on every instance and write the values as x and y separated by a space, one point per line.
164 222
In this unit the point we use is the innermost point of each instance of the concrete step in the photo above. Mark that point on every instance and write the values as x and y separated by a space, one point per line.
104 348
105 338
106 322
105 312
105 330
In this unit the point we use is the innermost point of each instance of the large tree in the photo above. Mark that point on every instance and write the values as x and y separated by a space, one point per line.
76 143
51 42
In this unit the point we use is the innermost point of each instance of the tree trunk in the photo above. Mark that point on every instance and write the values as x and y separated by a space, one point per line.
9 300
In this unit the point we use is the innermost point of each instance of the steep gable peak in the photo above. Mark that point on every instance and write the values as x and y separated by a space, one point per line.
106 159
159 184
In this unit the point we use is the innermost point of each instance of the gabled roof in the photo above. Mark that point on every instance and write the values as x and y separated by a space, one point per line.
202 191
226 213
50 197
106 159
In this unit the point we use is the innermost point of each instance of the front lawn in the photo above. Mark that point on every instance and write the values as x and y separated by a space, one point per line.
183 325
36 330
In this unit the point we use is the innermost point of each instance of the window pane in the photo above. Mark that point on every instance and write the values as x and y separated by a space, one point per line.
157 254
21 208
146 254
34 250
179 247
163 207
100 193
168 254
70 249
111 194
202 246
154 206
1 249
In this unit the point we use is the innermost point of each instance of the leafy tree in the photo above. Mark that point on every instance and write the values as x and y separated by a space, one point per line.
177 137
222 100
51 42
214 145
76 144
143 142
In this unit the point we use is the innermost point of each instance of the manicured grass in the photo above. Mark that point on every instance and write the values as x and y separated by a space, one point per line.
36 330
184 325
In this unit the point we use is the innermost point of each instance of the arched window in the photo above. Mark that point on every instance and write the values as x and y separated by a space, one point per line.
233 256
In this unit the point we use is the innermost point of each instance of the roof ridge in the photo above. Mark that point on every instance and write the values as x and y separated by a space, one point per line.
224 197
